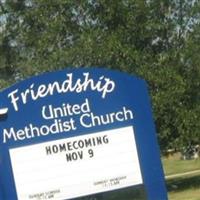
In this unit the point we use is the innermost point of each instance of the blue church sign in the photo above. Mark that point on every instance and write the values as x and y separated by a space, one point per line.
79 132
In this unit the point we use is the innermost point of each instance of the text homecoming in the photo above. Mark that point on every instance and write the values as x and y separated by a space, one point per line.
103 85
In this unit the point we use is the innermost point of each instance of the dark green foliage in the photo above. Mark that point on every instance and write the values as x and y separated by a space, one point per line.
155 39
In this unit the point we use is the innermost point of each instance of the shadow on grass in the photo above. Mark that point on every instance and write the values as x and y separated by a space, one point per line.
179 184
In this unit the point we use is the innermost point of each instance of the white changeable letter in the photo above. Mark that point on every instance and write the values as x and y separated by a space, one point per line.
14 99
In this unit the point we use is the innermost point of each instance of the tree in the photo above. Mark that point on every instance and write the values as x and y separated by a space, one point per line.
155 39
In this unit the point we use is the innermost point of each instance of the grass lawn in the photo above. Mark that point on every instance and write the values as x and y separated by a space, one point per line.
185 187
189 194
174 165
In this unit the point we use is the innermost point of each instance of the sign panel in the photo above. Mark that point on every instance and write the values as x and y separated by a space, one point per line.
95 163
74 133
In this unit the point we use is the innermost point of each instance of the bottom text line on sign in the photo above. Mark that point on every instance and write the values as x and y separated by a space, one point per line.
77 166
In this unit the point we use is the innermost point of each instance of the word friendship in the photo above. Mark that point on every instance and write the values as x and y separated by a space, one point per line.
103 85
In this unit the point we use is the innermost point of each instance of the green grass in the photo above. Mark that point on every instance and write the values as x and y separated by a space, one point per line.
174 165
186 187
188 194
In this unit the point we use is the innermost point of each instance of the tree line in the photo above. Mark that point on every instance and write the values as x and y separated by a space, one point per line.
158 40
